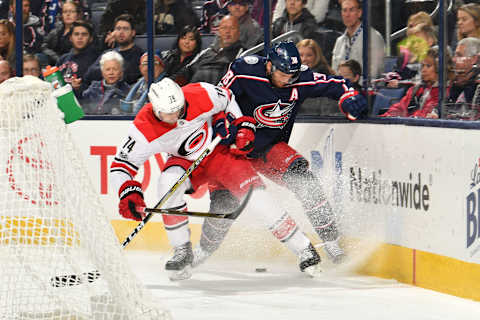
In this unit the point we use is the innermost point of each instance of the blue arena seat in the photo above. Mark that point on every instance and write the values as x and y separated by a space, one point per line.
385 97
389 63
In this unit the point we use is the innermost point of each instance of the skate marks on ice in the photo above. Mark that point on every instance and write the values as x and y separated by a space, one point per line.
232 290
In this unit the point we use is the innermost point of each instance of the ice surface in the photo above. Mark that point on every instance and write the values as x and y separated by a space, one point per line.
231 290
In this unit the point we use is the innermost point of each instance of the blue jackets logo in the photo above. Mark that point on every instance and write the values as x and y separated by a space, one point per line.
273 115
473 208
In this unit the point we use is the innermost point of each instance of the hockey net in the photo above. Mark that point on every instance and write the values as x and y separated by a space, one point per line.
52 222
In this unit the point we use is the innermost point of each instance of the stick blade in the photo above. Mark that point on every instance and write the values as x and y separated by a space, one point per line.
74 279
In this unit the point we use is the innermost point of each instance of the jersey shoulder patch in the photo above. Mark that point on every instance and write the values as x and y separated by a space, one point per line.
148 124
251 59
198 98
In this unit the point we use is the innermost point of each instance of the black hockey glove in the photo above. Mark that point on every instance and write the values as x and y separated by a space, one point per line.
222 126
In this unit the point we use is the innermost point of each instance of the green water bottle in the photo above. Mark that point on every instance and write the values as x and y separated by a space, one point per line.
66 100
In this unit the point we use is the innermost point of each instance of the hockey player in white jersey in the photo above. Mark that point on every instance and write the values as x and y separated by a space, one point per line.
182 122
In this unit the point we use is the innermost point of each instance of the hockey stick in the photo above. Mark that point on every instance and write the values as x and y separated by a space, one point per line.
76 279
232 215
73 280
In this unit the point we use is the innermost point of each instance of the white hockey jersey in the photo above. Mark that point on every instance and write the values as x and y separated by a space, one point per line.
187 138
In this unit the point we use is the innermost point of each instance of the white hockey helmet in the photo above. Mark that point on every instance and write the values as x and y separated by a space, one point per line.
166 96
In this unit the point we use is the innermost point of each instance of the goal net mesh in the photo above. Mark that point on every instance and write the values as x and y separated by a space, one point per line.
52 222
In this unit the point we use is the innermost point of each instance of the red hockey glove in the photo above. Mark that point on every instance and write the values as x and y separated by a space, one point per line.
353 105
131 196
222 126
245 138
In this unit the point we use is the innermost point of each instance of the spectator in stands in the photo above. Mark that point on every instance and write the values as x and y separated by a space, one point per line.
83 54
295 17
467 70
31 66
103 96
350 44
117 7
137 96
250 32
172 15
351 70
57 41
123 36
468 21
421 100
7 41
32 29
313 57
6 71
212 63
318 8
412 51
185 48
419 18
213 11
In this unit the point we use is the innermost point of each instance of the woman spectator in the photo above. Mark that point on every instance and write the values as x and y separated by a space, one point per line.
7 41
468 21
421 100
103 96
187 46
312 56
419 18
57 41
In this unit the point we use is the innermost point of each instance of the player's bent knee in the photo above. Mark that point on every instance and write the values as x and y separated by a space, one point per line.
299 167
223 201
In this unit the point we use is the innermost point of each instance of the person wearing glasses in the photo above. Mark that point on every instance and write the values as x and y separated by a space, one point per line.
31 66
137 96
57 41
122 39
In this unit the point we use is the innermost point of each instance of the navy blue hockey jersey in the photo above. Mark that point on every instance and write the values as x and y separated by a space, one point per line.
273 108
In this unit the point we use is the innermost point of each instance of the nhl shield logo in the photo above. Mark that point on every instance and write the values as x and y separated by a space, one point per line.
273 115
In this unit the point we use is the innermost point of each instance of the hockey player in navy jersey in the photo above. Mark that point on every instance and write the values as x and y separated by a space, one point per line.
271 90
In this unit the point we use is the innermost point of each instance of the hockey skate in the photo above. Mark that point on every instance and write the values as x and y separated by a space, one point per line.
310 261
179 266
334 252
199 256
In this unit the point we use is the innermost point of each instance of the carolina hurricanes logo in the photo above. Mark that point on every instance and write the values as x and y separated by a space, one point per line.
273 115
194 141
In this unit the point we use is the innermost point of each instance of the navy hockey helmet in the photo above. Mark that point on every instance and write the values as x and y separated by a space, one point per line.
285 57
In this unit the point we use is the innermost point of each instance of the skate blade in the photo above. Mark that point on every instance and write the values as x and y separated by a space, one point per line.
313 271
178 275
338 259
